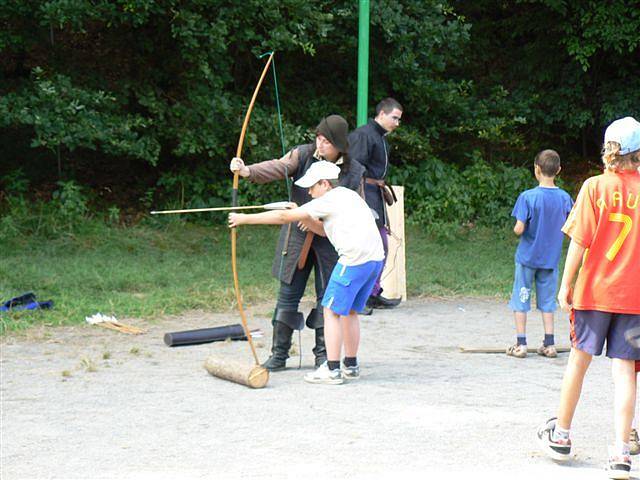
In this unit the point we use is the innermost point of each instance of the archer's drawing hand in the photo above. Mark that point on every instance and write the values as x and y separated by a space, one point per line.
237 165
304 225
565 299
236 219
312 225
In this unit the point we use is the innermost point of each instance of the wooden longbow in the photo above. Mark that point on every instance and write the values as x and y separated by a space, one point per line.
234 203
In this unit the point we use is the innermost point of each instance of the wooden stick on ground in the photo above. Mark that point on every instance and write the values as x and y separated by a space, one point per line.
121 327
562 349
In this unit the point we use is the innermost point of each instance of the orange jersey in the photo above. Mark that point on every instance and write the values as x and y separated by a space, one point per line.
606 221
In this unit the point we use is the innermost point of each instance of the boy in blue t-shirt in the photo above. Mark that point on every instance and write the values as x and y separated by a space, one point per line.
540 214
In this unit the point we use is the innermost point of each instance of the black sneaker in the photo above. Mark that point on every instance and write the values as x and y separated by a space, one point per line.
558 450
619 466
378 301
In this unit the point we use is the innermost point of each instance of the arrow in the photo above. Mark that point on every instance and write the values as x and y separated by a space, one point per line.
266 206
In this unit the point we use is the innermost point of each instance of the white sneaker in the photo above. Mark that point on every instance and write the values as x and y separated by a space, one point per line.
557 449
323 375
518 351
618 466
351 373
634 442
549 351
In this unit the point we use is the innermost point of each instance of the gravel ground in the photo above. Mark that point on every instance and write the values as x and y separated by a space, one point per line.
89 403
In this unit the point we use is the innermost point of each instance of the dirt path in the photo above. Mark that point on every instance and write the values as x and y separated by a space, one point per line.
86 402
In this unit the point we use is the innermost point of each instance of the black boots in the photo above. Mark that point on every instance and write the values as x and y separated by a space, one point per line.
315 320
320 350
280 347
283 326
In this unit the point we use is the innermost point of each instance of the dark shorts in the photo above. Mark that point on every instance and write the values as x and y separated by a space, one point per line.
590 329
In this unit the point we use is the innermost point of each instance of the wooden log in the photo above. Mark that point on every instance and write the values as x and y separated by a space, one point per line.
502 350
251 375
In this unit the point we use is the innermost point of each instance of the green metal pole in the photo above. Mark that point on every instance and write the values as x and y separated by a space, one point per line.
363 61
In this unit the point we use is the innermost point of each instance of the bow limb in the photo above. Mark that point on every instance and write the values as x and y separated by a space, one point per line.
234 202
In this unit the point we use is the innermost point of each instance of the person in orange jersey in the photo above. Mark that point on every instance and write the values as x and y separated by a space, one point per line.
604 227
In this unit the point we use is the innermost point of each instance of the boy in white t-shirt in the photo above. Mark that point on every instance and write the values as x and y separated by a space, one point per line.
344 217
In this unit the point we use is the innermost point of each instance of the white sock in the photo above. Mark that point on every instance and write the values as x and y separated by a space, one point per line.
622 448
559 434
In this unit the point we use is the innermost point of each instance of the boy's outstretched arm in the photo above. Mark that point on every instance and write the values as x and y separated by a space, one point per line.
519 227
571 266
273 217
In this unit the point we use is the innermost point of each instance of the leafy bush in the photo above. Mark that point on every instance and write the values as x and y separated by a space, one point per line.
437 193
493 189
63 114
70 201
66 212
15 183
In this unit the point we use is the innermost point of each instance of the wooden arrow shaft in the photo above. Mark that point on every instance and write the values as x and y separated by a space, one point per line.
212 209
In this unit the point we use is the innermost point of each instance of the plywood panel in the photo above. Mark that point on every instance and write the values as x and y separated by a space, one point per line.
394 278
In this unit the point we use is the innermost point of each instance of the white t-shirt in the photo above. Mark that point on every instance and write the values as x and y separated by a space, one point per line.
349 225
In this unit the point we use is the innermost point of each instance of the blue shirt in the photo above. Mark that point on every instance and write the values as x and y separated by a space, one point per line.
543 210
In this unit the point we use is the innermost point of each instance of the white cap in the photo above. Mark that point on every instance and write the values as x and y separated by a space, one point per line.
321 170
625 131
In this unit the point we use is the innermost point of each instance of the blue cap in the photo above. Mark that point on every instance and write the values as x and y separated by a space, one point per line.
625 131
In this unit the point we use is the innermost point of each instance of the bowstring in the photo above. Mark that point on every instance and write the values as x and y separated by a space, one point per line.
280 127
287 180
399 242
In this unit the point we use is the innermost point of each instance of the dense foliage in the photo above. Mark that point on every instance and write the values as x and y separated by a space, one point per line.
131 103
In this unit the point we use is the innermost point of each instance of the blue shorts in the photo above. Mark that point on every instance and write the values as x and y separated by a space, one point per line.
350 286
590 328
546 280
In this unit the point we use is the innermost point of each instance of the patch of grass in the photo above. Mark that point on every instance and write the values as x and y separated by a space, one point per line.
462 262
141 271
476 262
88 364
134 351
152 270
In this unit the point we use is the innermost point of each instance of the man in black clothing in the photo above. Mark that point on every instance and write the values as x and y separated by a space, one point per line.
368 145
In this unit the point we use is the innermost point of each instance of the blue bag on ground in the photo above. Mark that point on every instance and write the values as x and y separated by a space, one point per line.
26 301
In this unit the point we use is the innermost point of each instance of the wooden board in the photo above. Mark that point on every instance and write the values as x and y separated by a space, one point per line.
503 350
394 276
